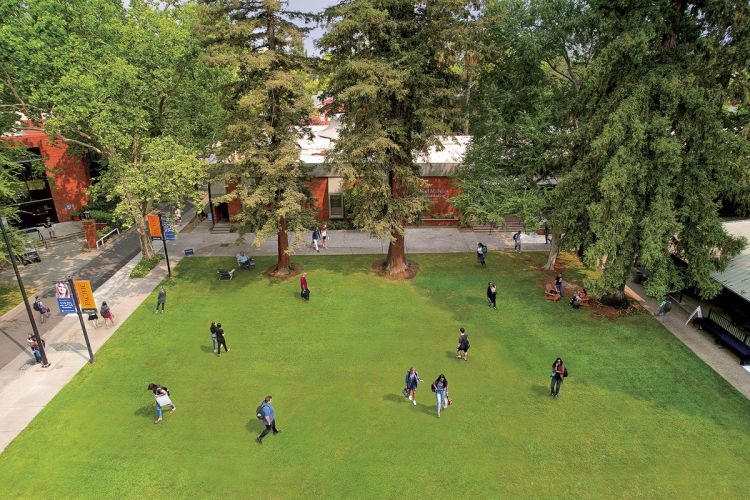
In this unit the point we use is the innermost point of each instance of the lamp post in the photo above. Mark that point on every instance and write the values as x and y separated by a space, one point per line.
164 242
38 338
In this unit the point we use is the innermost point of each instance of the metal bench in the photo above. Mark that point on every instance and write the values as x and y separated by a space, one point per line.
727 334
225 275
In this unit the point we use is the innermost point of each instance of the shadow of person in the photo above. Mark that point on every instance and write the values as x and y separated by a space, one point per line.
451 354
205 348
148 410
395 398
254 426
540 389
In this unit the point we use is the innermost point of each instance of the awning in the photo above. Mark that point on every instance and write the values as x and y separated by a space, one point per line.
736 277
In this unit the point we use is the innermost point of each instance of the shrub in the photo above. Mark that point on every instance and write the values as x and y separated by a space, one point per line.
103 216
145 266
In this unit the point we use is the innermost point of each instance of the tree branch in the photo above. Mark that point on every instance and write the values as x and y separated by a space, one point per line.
66 139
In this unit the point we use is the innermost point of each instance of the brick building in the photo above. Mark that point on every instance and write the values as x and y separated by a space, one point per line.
54 191
327 187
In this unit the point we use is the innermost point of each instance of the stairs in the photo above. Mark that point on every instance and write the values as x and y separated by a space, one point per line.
221 228
60 240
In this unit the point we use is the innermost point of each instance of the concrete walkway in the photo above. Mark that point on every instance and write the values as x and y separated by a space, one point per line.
723 361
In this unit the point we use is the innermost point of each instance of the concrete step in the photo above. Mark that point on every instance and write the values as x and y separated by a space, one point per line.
221 228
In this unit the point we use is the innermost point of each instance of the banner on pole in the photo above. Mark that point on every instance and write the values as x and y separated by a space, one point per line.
85 296
153 226
169 232
64 300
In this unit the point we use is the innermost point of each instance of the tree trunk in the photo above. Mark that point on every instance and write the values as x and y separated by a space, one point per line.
282 264
554 249
617 298
147 248
396 260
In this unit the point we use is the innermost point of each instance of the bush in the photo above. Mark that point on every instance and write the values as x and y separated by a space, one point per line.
145 266
337 224
103 216
100 233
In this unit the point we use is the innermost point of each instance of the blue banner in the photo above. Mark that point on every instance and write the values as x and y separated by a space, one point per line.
66 305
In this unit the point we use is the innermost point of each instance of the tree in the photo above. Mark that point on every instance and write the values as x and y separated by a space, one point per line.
267 106
657 150
533 57
392 69
112 79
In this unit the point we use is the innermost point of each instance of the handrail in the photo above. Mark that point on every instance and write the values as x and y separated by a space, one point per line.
100 241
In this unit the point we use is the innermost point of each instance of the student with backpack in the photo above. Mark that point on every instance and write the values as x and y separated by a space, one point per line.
559 372
43 310
517 241
440 388
315 239
463 345
481 253
412 384
664 308
266 414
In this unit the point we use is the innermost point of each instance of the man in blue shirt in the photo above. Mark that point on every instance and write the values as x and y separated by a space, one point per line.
268 419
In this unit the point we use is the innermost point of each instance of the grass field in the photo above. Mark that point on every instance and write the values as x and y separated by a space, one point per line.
10 296
639 415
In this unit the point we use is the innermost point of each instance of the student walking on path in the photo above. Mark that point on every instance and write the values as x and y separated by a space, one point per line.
664 308
412 384
161 299
440 388
43 310
304 292
106 313
213 336
324 235
269 419
220 340
517 241
315 238
492 295
559 284
559 372
50 226
162 399
463 345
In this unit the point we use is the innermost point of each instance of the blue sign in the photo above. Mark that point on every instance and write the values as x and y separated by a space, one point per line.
66 305
188 252
169 235
169 232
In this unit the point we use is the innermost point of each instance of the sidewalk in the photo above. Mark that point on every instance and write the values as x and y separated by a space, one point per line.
721 360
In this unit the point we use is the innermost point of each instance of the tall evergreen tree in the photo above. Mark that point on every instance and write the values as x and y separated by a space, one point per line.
393 72
657 149
267 105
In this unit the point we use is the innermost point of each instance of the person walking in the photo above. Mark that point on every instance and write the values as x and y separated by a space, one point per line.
220 340
324 235
517 241
315 238
34 346
161 395
50 226
559 372
213 336
481 253
269 419
412 384
664 308
304 292
42 309
106 313
440 388
547 239
161 299
94 319
463 345
492 295
559 284
177 215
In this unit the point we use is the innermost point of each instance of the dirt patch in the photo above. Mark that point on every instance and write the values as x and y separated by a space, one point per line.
294 270
412 268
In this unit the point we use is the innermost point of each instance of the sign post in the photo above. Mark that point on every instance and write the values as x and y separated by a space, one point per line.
83 298
164 242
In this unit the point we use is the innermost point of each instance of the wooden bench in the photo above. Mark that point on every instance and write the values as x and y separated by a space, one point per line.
549 287
733 339
225 275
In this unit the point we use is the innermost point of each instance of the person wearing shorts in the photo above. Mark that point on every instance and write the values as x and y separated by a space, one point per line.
324 235
94 320
106 313
412 383
463 345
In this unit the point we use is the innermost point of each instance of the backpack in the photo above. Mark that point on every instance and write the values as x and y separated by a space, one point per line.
667 306
259 412
37 307
565 372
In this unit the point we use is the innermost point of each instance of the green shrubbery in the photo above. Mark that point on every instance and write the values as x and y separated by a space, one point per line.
145 266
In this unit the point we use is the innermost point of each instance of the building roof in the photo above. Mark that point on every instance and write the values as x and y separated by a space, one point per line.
736 277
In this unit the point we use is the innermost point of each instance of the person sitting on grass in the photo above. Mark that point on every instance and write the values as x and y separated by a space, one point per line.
244 260
575 301
162 399
551 293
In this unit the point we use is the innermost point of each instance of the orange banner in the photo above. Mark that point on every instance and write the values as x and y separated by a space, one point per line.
153 226
85 296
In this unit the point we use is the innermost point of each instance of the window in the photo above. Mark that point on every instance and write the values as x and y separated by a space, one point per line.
336 204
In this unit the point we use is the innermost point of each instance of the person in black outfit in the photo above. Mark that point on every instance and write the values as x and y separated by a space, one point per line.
220 340
492 295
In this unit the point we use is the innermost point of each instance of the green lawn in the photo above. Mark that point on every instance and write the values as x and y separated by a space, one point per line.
639 415
10 296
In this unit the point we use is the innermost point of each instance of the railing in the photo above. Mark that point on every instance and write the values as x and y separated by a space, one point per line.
728 325
100 241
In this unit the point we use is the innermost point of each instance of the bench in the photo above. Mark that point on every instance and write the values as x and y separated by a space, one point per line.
550 288
225 275
735 341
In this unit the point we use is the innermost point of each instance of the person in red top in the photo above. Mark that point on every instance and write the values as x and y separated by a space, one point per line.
303 285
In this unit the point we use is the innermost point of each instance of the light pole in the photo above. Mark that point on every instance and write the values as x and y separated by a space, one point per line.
38 338
164 242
